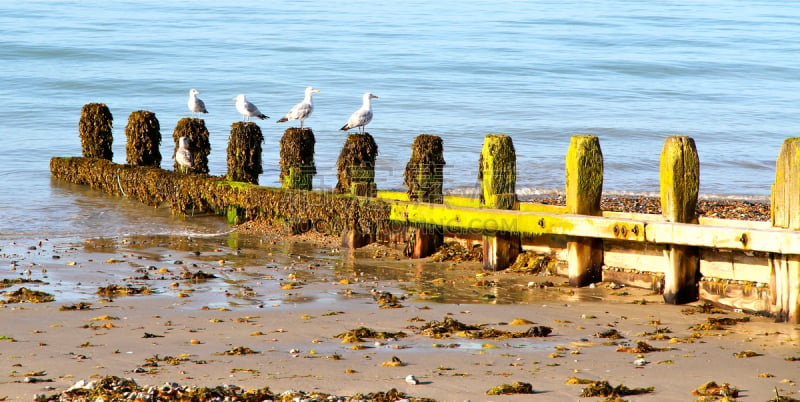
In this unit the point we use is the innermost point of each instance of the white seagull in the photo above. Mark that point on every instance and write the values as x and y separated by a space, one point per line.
195 104
361 117
182 155
247 109
302 110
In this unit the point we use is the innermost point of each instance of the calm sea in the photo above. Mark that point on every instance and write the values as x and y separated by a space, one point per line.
631 72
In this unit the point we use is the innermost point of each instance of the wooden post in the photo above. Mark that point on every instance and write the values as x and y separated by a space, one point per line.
244 152
199 145
785 269
297 167
424 178
144 137
356 176
297 159
497 173
584 187
680 184
94 129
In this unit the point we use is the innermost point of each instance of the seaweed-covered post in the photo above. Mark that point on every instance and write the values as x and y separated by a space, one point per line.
356 176
244 152
584 187
94 129
497 173
297 158
143 133
785 269
297 167
199 145
424 177
680 184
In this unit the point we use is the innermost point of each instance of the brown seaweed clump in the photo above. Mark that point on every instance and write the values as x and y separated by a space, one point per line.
25 295
356 166
94 129
454 251
115 290
358 334
424 171
532 263
297 158
143 133
517 387
711 388
604 389
199 145
244 152
451 327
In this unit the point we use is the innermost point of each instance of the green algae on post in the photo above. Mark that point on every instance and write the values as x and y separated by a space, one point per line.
199 145
424 171
497 172
356 166
143 133
94 129
244 152
297 158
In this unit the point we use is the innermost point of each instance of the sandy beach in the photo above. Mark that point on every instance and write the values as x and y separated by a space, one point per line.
271 314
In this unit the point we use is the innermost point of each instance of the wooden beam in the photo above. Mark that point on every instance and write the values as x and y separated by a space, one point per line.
584 168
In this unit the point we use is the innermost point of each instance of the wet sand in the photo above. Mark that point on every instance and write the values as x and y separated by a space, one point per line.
287 300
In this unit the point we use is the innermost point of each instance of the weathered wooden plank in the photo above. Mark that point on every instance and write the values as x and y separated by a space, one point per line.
584 186
497 173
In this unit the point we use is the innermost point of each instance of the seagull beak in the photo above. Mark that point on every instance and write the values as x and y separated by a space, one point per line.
316 90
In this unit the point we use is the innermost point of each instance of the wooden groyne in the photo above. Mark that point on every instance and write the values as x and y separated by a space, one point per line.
745 264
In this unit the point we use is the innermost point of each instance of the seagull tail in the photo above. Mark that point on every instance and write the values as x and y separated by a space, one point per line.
263 116
282 120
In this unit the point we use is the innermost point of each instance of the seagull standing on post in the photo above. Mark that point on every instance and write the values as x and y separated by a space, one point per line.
302 110
195 104
361 117
182 155
247 109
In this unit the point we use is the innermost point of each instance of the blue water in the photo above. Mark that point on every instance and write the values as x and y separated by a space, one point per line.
631 72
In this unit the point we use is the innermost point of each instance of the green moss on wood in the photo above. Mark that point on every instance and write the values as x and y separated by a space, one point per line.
297 158
143 133
584 175
199 144
94 129
497 172
785 197
680 179
356 164
424 171
244 152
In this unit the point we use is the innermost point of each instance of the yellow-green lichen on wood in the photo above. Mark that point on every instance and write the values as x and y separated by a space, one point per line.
497 172
424 171
244 152
680 179
297 158
584 175
786 189
143 133
199 144
94 129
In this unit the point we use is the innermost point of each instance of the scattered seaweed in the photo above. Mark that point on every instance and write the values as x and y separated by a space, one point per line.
456 252
604 389
115 290
517 387
74 307
713 389
5 283
143 133
244 152
238 351
531 263
746 353
25 295
358 335
198 276
451 327
386 299
641 347
716 324
94 129
610 333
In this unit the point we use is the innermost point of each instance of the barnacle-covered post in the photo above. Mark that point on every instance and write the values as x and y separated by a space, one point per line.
94 129
584 188
297 158
497 173
199 145
680 184
297 167
356 176
244 152
144 137
424 177
785 269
